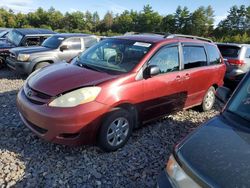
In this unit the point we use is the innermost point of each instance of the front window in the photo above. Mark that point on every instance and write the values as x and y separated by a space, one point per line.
14 37
240 104
53 42
117 55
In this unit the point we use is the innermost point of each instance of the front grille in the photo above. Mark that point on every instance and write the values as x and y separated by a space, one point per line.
35 96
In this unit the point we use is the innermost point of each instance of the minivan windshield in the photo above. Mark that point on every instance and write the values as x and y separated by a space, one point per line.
240 104
114 54
14 37
53 42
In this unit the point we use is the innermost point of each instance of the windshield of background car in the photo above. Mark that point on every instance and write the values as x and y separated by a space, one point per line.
3 33
115 54
14 37
53 42
240 104
229 51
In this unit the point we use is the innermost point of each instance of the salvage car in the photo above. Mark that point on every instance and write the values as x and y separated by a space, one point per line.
119 84
217 154
22 37
55 49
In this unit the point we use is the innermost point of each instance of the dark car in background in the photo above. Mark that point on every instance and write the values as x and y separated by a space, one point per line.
218 153
118 84
237 59
53 50
22 37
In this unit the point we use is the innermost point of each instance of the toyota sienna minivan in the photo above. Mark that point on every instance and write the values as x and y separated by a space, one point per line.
119 84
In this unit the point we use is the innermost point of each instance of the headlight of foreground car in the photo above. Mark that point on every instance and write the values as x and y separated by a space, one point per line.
179 178
76 97
23 57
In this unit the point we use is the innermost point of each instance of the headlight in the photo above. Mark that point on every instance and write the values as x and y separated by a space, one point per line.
179 178
23 57
76 97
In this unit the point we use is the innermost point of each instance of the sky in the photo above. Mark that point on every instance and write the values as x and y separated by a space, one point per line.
164 7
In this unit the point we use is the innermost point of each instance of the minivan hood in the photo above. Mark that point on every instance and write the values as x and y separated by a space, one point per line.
219 153
59 78
30 50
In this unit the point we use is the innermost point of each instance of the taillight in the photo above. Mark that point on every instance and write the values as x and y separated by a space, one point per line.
236 62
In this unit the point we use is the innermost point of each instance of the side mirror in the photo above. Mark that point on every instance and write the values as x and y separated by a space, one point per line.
151 71
64 47
223 94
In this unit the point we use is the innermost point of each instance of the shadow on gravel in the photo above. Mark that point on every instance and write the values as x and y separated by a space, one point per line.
10 74
28 161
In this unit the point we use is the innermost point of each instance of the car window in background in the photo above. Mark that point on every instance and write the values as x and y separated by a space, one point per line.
14 37
73 43
229 51
241 102
248 53
115 54
194 56
32 41
167 59
3 34
213 54
89 41
53 42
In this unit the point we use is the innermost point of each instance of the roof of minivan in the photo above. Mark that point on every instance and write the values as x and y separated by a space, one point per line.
67 35
34 31
155 38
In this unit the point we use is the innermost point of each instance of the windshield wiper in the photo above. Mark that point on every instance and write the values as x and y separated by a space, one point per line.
78 63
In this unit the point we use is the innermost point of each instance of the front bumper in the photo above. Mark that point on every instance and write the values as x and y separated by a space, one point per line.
21 67
163 181
69 126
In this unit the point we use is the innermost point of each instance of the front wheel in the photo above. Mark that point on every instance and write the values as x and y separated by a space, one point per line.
115 130
208 100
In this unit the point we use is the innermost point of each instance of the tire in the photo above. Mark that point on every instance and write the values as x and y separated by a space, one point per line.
111 136
208 100
41 65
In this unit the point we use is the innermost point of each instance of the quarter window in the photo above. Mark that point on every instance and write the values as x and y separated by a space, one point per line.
194 56
167 59
214 56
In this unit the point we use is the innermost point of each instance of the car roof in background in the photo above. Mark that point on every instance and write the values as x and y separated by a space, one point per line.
68 35
35 31
233 44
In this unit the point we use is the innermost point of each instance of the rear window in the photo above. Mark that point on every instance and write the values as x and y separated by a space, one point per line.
229 51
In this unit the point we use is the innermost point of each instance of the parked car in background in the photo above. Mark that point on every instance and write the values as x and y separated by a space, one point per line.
3 33
22 37
53 50
237 59
218 153
118 84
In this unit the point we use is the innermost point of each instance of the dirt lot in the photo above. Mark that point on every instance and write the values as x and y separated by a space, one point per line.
27 161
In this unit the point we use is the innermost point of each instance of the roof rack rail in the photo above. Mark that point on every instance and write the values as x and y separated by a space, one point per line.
149 33
187 36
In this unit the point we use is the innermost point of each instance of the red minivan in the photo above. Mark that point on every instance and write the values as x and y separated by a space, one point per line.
118 84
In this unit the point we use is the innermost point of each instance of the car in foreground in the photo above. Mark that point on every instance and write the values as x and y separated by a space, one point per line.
55 49
218 153
237 59
22 38
118 84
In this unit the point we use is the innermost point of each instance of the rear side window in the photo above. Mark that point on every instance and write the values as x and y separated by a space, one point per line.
167 59
229 51
74 44
194 56
213 54
32 41
248 53
89 41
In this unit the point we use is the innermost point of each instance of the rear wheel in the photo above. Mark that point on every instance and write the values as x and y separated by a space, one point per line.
115 130
41 65
208 100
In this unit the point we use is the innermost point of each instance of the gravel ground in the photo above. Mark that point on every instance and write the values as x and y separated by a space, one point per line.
27 161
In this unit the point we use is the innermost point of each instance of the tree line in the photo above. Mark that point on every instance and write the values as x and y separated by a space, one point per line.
234 28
